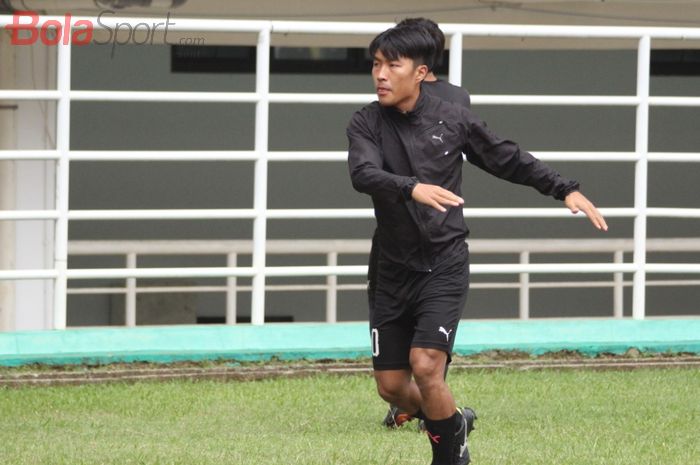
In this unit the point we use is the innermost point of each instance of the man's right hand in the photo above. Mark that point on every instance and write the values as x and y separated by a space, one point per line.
435 196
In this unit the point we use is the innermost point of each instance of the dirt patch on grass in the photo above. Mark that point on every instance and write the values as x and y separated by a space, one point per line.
229 370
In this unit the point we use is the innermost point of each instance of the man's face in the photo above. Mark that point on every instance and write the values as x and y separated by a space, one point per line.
397 82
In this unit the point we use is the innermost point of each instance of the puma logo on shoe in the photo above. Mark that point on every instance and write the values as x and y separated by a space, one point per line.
463 447
445 332
439 138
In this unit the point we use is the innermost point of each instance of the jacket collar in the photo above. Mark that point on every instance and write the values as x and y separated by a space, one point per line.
412 115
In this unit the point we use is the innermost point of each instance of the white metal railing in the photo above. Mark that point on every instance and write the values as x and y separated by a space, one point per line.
332 249
261 156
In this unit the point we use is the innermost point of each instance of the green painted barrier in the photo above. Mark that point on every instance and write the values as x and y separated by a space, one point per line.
292 341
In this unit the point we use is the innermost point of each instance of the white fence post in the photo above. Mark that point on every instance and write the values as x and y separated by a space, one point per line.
332 292
524 294
641 178
619 287
231 293
130 317
456 59
262 108
62 179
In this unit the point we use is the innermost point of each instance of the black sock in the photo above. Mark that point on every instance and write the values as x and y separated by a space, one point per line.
419 414
441 434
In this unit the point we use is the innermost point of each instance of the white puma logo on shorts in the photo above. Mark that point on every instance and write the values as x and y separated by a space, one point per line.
445 332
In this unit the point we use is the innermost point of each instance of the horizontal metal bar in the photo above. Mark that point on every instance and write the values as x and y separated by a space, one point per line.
676 157
29 94
17 215
162 96
354 270
468 213
163 155
340 156
295 156
327 98
363 287
175 24
338 98
587 156
362 246
325 213
27 274
573 268
29 155
321 98
673 212
542 213
494 30
366 28
146 273
171 214
579 100
674 101
321 213
672 268
582 32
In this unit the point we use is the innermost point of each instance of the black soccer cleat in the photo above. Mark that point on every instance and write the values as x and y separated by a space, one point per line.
470 416
461 450
395 417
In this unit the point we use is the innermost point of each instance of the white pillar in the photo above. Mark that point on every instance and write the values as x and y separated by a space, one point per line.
332 291
524 294
641 179
62 177
34 186
262 87
231 290
7 184
456 59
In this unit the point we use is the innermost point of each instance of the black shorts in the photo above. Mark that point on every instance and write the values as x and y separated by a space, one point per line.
410 308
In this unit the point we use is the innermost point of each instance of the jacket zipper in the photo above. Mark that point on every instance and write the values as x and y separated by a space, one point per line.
421 225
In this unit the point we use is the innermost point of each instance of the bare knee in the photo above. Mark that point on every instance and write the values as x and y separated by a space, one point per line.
392 385
428 366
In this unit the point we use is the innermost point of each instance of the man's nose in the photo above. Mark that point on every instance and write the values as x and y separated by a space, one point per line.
381 73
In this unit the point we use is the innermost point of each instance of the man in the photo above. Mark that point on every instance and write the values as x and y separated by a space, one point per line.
406 152
431 85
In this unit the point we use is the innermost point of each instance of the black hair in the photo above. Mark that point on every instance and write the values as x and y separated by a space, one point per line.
436 34
404 42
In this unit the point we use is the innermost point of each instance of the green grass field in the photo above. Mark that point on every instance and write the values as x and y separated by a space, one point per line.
645 416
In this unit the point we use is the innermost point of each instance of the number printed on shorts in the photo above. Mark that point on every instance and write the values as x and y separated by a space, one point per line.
375 342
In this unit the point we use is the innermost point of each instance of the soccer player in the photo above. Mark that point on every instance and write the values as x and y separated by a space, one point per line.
405 151
431 85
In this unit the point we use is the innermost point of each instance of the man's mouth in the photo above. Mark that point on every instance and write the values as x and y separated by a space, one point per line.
383 90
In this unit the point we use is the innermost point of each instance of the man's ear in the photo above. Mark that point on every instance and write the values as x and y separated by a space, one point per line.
421 72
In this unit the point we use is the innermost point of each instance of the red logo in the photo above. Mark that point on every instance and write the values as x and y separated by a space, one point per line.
79 33
435 439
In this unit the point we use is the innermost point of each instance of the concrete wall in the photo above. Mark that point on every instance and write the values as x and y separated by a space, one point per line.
321 127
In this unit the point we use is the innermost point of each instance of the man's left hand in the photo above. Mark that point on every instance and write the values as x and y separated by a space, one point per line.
576 202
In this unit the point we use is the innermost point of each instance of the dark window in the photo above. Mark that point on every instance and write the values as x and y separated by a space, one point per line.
675 62
301 60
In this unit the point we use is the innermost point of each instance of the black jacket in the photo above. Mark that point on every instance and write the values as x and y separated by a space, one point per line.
391 151
446 91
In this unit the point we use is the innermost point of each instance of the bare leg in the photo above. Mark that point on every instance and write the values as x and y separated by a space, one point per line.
397 387
429 370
